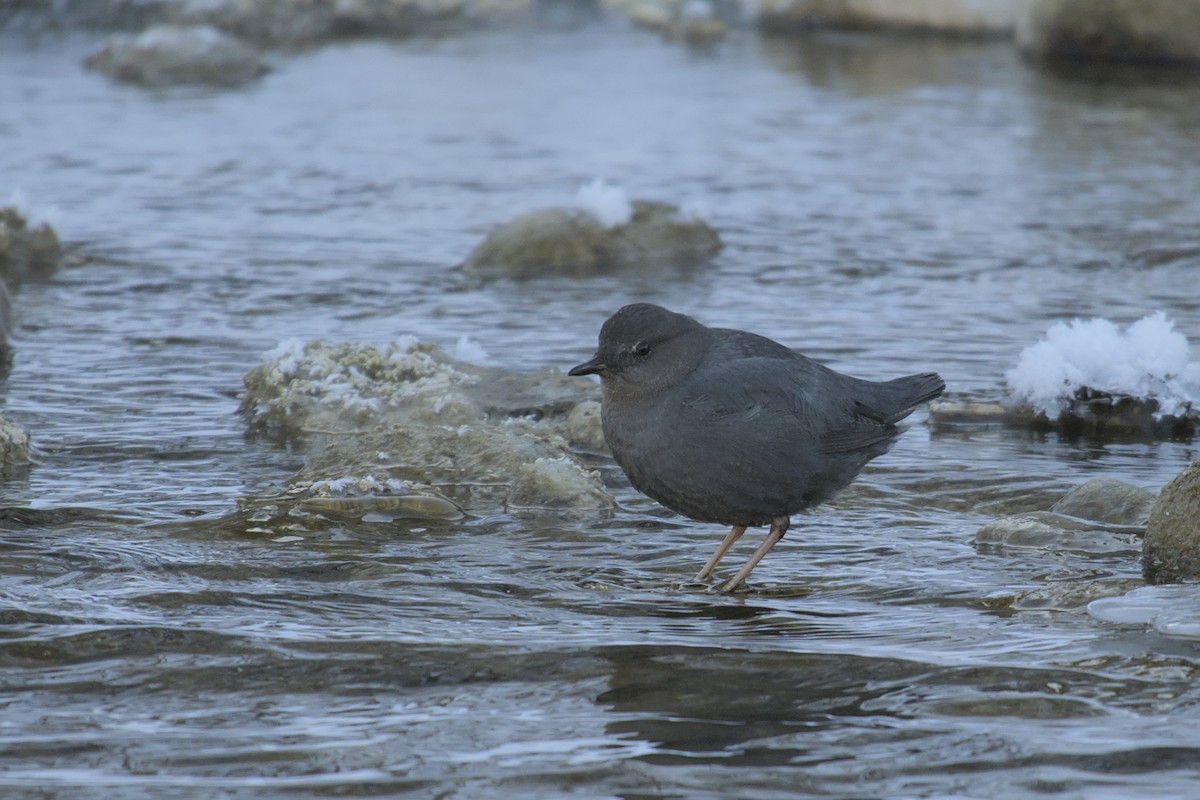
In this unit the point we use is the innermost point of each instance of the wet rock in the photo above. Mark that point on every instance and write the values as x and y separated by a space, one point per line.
167 55
1072 595
411 413
26 251
969 17
576 243
1126 30
1103 415
1171 551
14 445
1107 500
1045 530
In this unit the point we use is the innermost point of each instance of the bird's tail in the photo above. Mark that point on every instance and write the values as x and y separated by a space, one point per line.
903 395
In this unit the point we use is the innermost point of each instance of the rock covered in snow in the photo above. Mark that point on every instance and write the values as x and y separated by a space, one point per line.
1171 550
1089 376
606 233
168 55
1122 30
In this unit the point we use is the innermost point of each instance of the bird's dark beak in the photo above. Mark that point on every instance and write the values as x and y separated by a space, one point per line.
593 367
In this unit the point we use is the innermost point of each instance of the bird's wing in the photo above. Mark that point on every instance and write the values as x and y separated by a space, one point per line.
791 400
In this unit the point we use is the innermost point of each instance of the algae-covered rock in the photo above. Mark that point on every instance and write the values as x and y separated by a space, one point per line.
1171 550
577 243
1124 30
26 251
168 55
411 413
1107 500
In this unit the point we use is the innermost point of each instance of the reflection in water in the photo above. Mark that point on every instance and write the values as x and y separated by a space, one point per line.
742 707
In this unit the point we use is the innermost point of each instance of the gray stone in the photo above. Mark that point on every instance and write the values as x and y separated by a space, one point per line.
168 55
576 243
1107 500
1126 30
1171 551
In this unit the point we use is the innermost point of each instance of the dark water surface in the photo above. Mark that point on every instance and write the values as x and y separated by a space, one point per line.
888 205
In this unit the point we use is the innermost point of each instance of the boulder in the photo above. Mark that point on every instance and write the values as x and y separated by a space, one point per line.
1171 550
1122 30
577 243
168 55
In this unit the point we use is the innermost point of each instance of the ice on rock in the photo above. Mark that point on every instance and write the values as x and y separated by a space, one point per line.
1148 360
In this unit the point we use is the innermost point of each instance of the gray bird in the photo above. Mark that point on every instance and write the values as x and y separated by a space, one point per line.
728 426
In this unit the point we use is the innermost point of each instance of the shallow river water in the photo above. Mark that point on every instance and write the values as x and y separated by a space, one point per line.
888 205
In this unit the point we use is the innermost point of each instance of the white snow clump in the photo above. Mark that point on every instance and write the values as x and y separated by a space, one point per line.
606 202
1148 360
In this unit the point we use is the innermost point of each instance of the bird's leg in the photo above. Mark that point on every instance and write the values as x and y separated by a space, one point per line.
732 537
779 527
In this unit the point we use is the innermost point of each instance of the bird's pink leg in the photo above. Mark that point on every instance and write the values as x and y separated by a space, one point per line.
732 537
779 527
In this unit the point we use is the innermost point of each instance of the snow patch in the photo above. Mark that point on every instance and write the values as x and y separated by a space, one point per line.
606 202
1148 360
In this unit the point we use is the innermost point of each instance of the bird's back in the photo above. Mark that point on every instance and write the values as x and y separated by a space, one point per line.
758 431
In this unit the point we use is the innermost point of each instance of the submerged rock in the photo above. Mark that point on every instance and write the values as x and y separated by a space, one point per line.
1100 516
1171 551
168 55
1046 530
409 412
1107 500
969 17
578 243
1125 30
26 251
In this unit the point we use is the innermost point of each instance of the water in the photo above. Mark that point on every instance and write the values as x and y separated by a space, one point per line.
888 205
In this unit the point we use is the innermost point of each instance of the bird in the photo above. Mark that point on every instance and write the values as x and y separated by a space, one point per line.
730 427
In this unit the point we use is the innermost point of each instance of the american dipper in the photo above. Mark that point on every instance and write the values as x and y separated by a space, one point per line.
728 426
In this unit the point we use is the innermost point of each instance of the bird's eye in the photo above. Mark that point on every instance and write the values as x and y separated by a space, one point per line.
641 349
